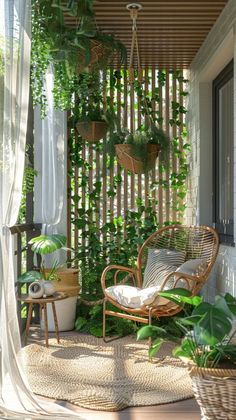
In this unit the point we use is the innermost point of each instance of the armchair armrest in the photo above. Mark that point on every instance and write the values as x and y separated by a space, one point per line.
119 268
181 276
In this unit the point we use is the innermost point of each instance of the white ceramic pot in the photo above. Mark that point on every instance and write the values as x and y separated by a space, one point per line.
49 288
66 310
36 289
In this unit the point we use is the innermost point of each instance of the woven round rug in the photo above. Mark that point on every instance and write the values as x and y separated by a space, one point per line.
105 376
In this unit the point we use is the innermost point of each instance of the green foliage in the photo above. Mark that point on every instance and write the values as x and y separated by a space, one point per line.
207 331
28 185
29 276
44 245
67 50
89 99
89 320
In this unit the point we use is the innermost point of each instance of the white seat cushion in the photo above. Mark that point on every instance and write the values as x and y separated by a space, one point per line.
160 263
133 297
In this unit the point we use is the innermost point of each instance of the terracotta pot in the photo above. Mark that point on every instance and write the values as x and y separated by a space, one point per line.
92 130
127 157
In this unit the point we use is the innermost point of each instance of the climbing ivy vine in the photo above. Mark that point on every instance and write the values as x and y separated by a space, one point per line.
117 239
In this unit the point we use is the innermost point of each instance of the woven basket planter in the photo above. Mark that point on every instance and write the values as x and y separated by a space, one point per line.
100 54
131 162
215 391
92 131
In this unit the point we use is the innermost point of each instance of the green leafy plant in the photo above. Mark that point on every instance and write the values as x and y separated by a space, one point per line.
68 50
89 99
207 331
44 245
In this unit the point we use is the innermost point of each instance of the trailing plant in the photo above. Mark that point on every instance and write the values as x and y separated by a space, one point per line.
27 186
89 99
207 331
67 50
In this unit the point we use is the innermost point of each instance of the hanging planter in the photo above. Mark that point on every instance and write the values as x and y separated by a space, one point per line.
92 131
139 164
97 54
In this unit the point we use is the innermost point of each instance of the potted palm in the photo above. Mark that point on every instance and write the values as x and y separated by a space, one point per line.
208 347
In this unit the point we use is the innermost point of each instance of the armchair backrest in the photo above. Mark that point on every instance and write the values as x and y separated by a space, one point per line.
196 241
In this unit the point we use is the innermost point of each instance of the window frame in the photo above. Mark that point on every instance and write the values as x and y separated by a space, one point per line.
226 231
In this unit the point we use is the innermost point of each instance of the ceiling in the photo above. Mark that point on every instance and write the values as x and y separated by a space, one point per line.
170 32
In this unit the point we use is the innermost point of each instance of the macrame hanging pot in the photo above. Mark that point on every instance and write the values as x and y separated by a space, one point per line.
127 155
92 131
128 158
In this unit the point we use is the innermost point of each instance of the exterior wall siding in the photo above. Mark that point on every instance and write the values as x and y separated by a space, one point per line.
216 52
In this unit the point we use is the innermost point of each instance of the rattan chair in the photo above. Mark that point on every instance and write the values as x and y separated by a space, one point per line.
196 241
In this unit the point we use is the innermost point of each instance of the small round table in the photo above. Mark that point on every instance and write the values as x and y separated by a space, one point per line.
42 302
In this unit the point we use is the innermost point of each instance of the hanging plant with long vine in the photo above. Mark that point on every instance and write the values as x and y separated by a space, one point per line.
68 50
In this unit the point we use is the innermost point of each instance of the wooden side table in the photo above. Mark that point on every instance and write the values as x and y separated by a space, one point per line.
42 302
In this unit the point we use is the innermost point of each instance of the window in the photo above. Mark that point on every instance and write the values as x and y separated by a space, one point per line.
223 158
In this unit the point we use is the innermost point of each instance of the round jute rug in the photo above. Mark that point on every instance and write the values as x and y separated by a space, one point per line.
89 373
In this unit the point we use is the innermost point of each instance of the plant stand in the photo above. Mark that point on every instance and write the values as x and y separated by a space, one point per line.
43 310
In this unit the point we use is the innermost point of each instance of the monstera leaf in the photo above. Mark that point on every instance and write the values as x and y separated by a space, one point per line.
46 244
29 276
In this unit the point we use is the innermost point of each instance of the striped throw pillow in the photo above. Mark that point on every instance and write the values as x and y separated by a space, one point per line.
160 263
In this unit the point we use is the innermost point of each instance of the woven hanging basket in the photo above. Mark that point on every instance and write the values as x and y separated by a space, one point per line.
131 162
100 54
92 131
215 391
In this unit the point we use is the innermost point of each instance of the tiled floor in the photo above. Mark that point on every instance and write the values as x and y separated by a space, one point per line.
182 410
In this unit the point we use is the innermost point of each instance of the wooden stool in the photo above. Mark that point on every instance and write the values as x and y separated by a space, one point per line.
42 302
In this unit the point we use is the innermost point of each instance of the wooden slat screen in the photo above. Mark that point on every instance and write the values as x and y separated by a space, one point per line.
118 189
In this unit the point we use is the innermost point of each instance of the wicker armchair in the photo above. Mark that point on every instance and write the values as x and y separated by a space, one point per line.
196 241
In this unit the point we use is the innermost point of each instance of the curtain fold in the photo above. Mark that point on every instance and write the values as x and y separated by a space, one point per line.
15 19
51 133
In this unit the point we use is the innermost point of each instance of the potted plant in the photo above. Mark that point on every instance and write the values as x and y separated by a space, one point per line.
46 281
43 245
91 120
69 50
209 348
138 151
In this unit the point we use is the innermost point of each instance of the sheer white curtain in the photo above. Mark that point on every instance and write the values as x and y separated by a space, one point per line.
15 397
50 132
50 139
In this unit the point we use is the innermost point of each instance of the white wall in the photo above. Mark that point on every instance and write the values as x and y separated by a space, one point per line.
216 52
